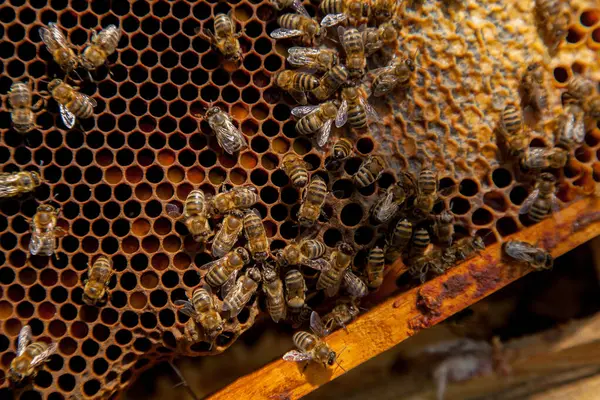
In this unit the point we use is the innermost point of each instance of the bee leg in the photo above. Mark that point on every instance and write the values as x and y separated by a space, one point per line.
305 366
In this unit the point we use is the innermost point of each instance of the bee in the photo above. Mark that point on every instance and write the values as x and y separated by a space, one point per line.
302 253
543 158
355 109
375 267
102 45
295 289
313 198
443 227
30 356
228 136
353 45
511 127
388 205
297 25
398 72
22 109
311 347
330 82
432 261
296 83
256 235
376 38
580 92
426 191
342 150
296 5
384 10
44 231
240 294
16 183
96 284
296 169
61 50
240 197
357 12
420 242
542 201
194 215
219 271
341 315
299 316
321 59
337 270
71 103
225 38
532 83
203 312
370 170
554 17
521 251
593 108
464 248
273 288
398 240
228 234
316 120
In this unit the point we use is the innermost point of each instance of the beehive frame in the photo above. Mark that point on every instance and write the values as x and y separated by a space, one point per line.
143 149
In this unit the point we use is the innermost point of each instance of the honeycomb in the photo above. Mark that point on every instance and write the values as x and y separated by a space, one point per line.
144 150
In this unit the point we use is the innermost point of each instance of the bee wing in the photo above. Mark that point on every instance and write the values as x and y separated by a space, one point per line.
578 130
354 285
302 111
299 8
340 32
342 115
324 132
332 19
282 33
301 56
104 40
244 298
230 138
371 113
67 116
187 309
333 289
300 97
24 339
520 251
43 356
173 211
384 85
297 356
554 203
52 37
227 287
317 326
209 264
388 208
319 264
526 206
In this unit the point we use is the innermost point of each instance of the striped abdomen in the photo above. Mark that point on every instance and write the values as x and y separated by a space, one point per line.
402 233
342 149
304 81
202 300
312 248
305 341
357 116
309 124
194 203
427 182
331 81
295 286
539 209
275 300
420 241
364 177
244 198
224 27
291 21
80 106
330 278
35 349
298 175
317 190
101 270
19 95
375 266
511 120
332 6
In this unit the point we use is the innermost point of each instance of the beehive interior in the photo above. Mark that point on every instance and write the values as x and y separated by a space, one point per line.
144 149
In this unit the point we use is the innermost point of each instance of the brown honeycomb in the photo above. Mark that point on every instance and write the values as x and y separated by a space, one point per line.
143 150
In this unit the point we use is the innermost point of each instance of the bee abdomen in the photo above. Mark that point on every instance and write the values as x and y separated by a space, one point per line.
538 211
342 149
317 190
81 107
420 240
427 182
289 21
357 117
308 125
328 279
305 81
299 176
36 348
194 204
511 119
223 25
331 6
313 248
304 340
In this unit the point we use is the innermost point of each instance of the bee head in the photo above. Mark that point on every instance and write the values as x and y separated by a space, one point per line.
35 177
549 261
212 111
345 248
243 254
14 375
331 358
54 83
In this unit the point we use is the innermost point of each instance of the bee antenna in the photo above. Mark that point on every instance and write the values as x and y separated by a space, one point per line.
183 381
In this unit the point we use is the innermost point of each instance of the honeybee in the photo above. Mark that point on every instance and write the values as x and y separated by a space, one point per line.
355 109
245 287
228 234
321 59
194 215
228 136
511 127
341 315
273 288
521 251
102 45
299 316
398 240
71 103
330 82
420 242
239 197
341 150
375 267
554 17
296 169
44 231
337 270
296 83
296 5
580 91
61 50
313 199
542 201
370 170
96 284
388 205
225 38
316 119
295 25
353 45
543 158
295 289
399 72
383 10
30 356
311 347
426 191
433 261
202 311
593 108
376 38
221 270
464 248
303 253
17 183
258 245
532 83
20 101
443 227
357 12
